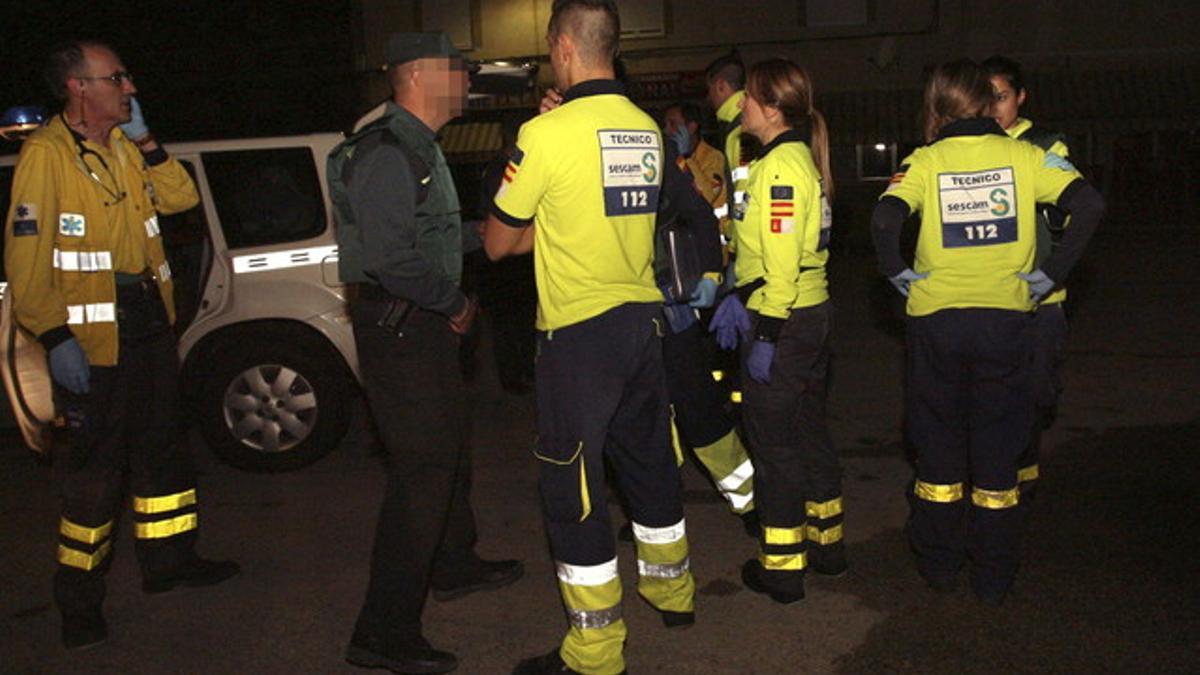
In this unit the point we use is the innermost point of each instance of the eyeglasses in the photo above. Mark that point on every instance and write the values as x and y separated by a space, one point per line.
118 78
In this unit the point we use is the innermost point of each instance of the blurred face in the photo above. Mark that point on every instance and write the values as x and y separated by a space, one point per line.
445 82
673 120
105 103
718 91
1008 102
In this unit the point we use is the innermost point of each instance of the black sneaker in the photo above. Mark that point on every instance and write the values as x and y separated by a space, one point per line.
677 619
752 578
82 630
418 658
547 664
480 575
198 572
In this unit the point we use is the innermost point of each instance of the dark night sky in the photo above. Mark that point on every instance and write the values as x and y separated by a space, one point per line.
204 69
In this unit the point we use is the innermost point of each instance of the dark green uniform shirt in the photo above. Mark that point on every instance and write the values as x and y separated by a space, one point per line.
399 224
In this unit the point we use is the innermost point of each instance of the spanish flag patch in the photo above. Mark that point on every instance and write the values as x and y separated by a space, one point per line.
783 209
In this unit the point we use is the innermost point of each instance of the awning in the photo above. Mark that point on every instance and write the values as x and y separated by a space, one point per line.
472 142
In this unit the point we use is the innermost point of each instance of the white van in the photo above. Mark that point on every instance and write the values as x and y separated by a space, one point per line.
265 342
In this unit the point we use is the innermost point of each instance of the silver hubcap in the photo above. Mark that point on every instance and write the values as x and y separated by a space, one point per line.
270 408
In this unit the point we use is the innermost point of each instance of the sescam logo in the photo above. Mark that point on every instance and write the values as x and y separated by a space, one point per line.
650 166
1000 203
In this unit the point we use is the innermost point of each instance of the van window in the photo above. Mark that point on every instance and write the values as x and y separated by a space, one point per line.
264 197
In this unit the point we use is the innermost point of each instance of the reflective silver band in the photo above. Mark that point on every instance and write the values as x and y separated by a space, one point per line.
664 570
587 575
660 535
594 618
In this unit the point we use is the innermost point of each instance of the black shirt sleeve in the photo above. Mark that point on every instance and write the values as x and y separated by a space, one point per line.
887 221
691 209
1086 207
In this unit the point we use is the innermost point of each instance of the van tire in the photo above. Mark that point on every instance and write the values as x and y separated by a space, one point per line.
251 420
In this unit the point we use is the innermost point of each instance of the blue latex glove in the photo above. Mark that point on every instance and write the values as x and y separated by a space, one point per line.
69 366
1040 285
705 294
758 364
730 320
136 127
902 280
682 140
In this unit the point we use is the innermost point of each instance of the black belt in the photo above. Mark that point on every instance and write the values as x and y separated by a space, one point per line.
136 287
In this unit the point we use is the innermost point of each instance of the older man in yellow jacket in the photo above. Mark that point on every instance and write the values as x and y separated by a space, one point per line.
90 280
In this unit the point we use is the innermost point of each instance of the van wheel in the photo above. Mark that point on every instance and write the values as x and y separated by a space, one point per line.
273 401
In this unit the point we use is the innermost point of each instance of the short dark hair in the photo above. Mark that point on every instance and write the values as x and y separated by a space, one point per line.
728 68
595 25
66 59
690 111
1006 68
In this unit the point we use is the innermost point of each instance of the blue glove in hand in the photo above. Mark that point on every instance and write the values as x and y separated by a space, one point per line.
902 280
758 364
69 366
682 140
136 127
705 294
1040 285
730 320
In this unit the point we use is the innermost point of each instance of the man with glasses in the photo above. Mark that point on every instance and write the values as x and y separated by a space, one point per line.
89 278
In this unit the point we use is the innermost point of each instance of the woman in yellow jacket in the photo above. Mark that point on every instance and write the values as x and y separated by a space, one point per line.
782 243
968 398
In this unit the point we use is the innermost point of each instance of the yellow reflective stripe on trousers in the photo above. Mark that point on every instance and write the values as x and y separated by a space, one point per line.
676 443
84 561
595 639
86 535
823 510
825 537
995 499
1027 473
790 562
783 536
164 503
170 527
942 494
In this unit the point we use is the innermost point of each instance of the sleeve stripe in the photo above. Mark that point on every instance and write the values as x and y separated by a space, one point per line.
508 220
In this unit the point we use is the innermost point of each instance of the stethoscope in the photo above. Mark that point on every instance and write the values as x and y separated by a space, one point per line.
83 151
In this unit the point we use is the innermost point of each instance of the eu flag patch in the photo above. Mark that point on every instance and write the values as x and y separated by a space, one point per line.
782 192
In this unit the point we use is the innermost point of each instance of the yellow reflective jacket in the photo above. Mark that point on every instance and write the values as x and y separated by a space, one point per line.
74 221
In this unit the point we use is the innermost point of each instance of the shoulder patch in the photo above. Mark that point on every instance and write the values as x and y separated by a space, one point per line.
782 192
1055 161
518 156
25 220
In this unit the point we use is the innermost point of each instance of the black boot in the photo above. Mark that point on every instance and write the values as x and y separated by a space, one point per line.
547 664
194 573
752 577
476 575
415 656
81 630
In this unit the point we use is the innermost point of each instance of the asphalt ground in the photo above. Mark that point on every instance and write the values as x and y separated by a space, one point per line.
1109 567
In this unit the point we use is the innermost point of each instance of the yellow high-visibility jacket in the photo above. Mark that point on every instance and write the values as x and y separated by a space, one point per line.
74 221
